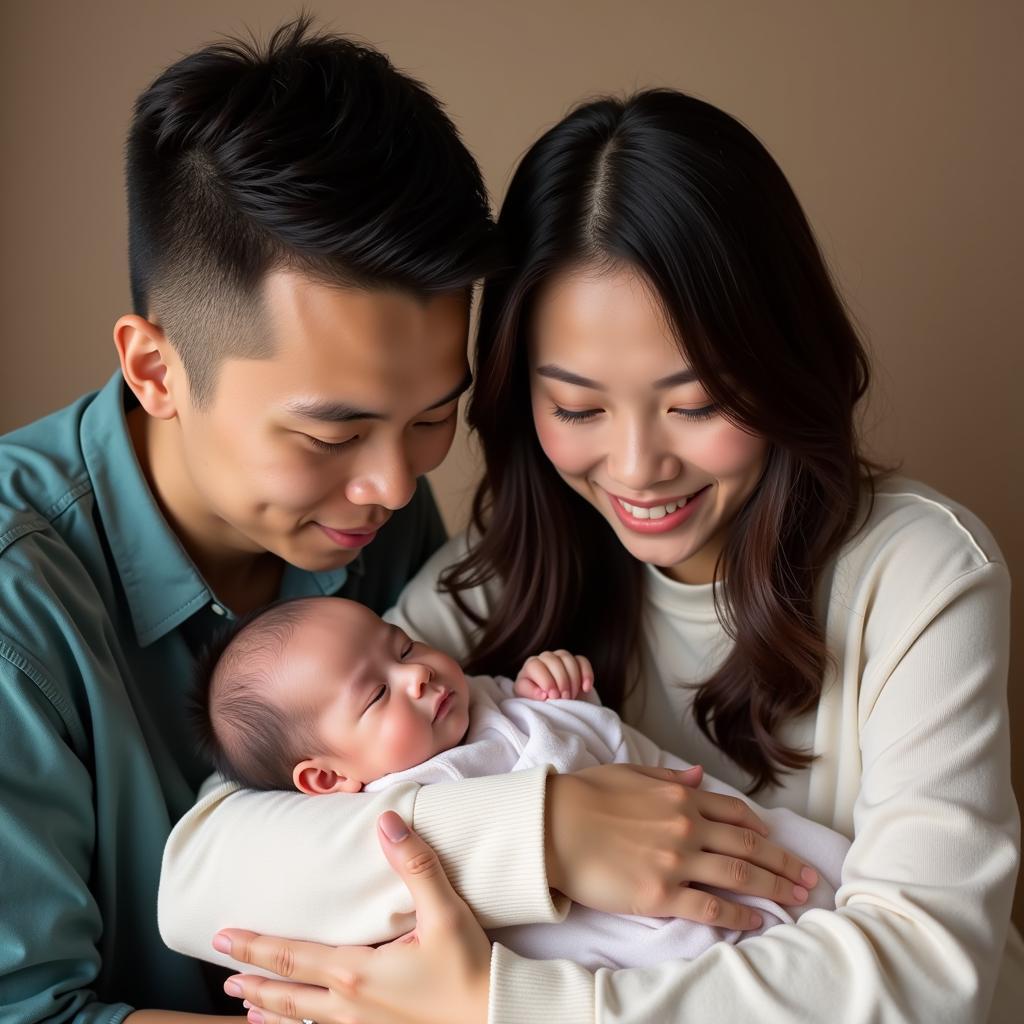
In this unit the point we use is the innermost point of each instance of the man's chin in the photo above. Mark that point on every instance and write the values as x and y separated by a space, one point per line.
314 561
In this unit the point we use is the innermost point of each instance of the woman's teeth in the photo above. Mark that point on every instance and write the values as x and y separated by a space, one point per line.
654 512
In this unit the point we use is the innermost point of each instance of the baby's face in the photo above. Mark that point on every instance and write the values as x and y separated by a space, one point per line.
382 702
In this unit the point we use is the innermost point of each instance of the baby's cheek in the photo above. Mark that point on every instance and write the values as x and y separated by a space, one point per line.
406 741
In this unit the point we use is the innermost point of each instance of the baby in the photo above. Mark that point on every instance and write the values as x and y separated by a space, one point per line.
323 696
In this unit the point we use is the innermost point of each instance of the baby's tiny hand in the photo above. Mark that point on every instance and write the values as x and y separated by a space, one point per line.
554 674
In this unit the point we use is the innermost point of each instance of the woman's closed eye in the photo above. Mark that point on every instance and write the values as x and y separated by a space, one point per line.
704 412
585 415
569 416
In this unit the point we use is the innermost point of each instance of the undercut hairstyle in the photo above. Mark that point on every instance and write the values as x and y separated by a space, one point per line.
247 736
678 191
312 154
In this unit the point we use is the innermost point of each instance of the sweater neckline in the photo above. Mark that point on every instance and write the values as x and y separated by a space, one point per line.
694 601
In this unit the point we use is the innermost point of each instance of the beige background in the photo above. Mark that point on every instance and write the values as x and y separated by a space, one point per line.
898 124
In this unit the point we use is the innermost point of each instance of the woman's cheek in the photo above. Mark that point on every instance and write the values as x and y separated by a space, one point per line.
563 446
727 451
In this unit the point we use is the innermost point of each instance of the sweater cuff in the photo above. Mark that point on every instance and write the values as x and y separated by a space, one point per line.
526 991
489 836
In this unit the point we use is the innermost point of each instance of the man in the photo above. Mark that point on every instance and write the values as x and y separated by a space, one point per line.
305 229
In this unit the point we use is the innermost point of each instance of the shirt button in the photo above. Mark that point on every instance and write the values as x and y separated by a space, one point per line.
217 609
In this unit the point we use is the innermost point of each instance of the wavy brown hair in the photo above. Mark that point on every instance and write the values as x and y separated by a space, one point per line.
682 193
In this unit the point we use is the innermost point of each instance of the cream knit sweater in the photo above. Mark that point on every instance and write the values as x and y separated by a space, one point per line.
912 748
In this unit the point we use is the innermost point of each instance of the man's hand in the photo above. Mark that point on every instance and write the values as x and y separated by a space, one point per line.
554 674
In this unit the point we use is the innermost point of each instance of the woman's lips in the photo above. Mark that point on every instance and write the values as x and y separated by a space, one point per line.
662 521
350 539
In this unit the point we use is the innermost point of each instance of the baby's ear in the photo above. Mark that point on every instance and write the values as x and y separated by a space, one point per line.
315 778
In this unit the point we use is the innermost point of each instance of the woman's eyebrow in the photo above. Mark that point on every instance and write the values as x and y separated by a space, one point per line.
568 377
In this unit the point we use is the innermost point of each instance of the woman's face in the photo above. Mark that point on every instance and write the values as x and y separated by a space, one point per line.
627 426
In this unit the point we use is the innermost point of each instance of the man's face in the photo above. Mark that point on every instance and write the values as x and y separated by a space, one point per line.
307 453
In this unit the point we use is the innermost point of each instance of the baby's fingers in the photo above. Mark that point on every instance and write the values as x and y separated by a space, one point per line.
529 689
560 669
538 672
586 673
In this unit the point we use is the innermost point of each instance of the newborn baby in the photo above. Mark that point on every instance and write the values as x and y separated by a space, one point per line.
321 695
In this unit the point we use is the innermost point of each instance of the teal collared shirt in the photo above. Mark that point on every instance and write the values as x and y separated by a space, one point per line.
100 612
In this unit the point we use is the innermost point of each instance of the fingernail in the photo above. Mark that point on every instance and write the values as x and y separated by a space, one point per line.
255 1017
756 920
393 827
221 943
799 893
247 1004
809 877
232 988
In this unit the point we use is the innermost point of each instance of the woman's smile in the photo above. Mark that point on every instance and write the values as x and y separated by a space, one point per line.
656 516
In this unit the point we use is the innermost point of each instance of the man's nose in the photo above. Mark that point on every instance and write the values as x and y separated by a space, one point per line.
386 479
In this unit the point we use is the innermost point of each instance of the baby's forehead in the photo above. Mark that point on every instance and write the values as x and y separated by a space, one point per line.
345 633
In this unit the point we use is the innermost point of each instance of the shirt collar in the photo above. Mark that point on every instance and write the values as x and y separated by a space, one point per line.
161 583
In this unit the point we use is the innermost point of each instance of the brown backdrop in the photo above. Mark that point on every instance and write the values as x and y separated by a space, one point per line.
897 122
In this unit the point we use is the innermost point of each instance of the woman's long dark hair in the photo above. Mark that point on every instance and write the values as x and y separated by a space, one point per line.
683 194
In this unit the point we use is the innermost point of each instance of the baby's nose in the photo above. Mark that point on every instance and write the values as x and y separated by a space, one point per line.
418 679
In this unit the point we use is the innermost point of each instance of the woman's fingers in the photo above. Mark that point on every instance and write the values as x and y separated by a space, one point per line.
737 875
710 909
746 845
274 1002
306 962
437 902
731 810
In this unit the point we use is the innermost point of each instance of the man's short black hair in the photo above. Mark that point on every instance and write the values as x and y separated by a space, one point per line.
245 734
311 153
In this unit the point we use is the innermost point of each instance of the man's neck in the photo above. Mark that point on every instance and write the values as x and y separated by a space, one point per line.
241 578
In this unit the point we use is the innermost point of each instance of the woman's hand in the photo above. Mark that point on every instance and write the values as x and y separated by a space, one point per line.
439 973
629 839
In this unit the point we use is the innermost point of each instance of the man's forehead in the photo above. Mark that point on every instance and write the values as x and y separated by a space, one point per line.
299 309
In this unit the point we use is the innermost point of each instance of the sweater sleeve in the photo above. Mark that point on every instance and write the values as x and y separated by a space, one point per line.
244 859
428 614
922 913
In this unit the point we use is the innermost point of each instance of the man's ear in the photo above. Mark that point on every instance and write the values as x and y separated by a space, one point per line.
315 779
149 364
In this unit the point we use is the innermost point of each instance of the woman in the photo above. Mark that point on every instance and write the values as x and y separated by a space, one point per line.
666 388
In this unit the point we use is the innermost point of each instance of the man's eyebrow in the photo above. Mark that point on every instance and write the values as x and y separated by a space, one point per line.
329 411
568 377
456 392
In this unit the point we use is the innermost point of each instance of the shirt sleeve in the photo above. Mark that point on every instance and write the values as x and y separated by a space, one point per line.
922 913
50 925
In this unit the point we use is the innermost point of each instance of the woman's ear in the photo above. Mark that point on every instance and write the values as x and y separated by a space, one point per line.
149 364
314 778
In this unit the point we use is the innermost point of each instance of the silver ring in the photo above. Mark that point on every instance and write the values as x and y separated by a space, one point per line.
306 1020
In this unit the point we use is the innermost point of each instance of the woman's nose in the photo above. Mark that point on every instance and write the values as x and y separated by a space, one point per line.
639 460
